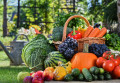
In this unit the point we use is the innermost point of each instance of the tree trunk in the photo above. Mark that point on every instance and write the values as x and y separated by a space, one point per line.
118 14
5 18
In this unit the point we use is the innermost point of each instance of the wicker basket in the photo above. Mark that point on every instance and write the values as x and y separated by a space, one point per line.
90 41
81 42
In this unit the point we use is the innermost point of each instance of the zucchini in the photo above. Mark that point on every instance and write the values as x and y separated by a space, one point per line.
107 76
94 70
95 77
87 74
80 77
101 77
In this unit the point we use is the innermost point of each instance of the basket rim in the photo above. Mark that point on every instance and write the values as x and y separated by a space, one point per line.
90 38
57 42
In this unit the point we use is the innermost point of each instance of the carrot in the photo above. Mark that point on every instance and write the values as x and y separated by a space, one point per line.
102 32
88 31
94 32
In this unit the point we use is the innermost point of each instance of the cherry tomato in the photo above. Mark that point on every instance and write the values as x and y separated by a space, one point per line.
108 65
106 54
116 71
100 61
116 61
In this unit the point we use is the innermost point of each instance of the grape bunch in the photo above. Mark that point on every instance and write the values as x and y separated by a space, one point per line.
98 49
67 48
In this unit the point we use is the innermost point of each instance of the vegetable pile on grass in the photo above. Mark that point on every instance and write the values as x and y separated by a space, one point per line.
35 52
96 62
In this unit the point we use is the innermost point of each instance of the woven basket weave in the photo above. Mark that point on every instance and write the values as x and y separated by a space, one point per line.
81 42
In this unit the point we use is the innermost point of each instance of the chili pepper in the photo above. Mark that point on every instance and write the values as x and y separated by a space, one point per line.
75 34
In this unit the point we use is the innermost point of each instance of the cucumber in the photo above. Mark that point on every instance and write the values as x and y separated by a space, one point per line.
80 77
87 74
95 77
101 77
94 70
68 77
107 76
75 72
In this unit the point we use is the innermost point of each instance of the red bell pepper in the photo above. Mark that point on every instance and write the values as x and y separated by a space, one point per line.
75 34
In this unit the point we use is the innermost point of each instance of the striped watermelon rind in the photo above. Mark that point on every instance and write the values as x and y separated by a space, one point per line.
53 59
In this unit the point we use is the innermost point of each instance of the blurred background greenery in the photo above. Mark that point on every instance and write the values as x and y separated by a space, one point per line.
48 14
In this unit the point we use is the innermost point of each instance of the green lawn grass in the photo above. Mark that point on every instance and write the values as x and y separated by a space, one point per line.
8 74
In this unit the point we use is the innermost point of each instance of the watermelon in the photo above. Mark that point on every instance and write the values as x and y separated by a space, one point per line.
53 59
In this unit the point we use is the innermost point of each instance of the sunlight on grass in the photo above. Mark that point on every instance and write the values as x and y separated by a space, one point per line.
8 74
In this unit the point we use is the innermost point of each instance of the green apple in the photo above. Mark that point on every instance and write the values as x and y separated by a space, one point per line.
22 75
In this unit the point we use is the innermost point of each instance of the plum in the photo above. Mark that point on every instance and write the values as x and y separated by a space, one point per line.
28 79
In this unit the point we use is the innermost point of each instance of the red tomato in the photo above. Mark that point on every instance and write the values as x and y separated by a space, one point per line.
116 71
110 56
106 54
118 56
100 61
113 76
116 61
108 65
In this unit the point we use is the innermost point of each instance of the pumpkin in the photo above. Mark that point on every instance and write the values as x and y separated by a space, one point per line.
83 60
61 70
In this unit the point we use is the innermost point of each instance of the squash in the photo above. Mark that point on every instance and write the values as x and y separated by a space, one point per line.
62 70
83 60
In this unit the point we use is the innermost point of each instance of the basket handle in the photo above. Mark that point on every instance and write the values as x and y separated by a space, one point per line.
68 20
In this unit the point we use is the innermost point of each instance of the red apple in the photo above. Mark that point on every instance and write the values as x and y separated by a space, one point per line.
37 80
38 77
47 75
38 74
28 79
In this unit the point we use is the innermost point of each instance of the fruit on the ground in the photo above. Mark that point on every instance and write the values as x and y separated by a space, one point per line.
38 74
38 77
108 65
101 77
83 60
37 80
106 54
101 70
98 49
33 74
22 75
116 61
94 70
49 69
37 47
68 67
59 72
68 77
28 79
117 56
80 77
75 72
116 71
47 75
53 59
87 74
100 61
107 76
67 47
95 77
